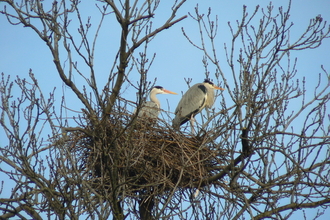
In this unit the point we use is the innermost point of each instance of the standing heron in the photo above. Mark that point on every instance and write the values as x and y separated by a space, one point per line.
198 97
151 109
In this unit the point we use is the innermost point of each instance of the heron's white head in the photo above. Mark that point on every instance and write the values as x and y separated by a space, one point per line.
210 96
158 90
161 90
209 84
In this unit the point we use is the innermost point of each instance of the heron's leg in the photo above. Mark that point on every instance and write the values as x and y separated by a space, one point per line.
207 113
196 193
192 121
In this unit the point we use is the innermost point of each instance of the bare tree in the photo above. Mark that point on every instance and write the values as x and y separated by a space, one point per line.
284 152
249 160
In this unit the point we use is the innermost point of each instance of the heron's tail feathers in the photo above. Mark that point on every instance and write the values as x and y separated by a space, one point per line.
176 123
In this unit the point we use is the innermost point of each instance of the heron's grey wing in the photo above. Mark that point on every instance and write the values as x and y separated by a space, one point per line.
149 110
192 103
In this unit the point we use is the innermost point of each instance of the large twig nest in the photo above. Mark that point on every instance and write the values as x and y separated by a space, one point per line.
143 155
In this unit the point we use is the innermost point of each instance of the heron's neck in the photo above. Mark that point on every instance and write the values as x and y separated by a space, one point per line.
210 97
154 99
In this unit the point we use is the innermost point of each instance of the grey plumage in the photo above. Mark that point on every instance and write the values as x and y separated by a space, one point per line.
151 109
197 97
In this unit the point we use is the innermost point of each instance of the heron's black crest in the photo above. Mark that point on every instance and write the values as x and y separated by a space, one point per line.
158 87
208 81
203 88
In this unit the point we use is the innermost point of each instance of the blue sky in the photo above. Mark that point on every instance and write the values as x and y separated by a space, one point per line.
176 59
21 49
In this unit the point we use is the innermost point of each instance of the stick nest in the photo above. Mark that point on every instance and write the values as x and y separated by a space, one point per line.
145 154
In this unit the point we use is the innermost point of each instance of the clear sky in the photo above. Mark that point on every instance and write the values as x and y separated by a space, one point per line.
176 59
21 49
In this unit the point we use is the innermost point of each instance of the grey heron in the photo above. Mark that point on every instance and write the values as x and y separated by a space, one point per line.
198 97
150 110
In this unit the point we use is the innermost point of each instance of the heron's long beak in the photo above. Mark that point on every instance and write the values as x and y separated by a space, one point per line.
169 92
216 87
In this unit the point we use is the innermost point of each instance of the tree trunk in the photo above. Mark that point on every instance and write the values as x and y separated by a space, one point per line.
145 208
